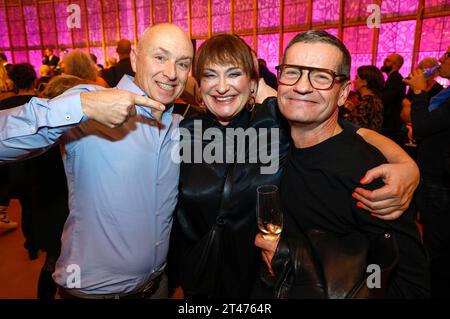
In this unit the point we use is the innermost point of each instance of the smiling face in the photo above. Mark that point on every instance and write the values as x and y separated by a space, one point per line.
301 103
162 62
225 90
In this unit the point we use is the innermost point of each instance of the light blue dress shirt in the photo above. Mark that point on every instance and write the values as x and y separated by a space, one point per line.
123 188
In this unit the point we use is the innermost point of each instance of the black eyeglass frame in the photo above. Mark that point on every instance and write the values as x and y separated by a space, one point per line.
309 68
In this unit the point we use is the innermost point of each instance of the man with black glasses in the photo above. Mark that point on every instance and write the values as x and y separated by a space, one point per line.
325 165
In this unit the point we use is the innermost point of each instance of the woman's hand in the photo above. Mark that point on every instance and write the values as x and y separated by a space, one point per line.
401 177
390 201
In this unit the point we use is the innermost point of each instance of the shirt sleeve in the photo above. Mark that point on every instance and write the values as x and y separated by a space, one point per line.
30 129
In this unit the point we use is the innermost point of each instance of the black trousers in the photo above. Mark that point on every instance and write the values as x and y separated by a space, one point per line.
434 206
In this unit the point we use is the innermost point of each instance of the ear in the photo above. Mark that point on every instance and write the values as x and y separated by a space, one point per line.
133 58
253 88
344 92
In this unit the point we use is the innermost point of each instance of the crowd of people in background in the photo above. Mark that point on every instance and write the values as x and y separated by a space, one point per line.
419 117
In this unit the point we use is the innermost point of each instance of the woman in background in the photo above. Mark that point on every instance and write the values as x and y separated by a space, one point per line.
80 64
368 113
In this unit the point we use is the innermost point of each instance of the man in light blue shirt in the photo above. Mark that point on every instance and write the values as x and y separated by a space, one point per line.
122 181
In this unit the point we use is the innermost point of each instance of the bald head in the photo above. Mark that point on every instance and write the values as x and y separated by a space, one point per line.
162 62
392 63
397 61
427 63
154 33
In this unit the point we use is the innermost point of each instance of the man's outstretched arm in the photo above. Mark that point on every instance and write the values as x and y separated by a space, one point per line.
32 128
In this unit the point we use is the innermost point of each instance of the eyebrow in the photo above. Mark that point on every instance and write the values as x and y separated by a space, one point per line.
227 70
185 57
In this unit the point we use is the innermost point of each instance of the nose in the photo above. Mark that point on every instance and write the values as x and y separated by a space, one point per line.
170 71
222 86
303 85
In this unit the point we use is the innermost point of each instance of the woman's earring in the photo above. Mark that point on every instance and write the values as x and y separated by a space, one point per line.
251 101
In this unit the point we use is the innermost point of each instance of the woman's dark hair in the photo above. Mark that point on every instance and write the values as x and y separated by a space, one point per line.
23 75
373 76
225 49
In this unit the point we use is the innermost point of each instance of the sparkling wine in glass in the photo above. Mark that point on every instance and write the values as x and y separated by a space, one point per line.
268 212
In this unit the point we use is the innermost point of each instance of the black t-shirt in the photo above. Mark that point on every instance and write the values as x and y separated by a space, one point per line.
316 190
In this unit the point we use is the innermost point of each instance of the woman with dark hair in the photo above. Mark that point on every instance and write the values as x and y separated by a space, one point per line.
212 252
368 113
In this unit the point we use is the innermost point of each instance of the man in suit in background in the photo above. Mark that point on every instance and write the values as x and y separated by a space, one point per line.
50 59
392 96
114 74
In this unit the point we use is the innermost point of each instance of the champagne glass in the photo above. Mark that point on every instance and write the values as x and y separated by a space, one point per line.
268 212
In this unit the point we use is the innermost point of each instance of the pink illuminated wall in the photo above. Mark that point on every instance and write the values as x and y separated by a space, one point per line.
221 16
435 39
180 14
243 16
358 41
397 37
26 30
325 11
295 13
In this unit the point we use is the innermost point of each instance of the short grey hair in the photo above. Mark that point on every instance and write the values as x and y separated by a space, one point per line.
320 36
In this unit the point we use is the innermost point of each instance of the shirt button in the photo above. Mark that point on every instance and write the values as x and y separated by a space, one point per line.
67 117
157 213
31 129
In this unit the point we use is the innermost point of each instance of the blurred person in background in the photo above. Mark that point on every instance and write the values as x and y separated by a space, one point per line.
94 59
368 112
110 62
432 88
392 96
113 74
4 61
431 123
264 72
17 179
50 59
6 85
45 73
80 64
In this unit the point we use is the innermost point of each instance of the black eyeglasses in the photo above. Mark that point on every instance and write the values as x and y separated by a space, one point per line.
320 79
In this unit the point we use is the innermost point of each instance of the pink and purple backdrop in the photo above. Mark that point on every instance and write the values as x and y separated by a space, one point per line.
24 33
